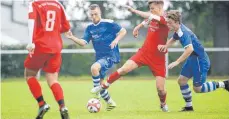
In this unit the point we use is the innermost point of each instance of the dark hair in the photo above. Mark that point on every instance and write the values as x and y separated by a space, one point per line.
94 6
174 15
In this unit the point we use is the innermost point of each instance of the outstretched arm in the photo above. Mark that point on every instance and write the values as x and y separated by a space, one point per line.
163 48
81 42
188 50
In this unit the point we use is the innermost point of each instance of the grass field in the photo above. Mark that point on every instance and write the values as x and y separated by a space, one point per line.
136 99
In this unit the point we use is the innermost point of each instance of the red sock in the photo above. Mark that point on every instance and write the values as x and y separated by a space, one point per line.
113 77
35 89
58 94
162 98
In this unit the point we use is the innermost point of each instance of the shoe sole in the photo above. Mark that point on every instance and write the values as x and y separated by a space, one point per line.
42 113
64 114
110 108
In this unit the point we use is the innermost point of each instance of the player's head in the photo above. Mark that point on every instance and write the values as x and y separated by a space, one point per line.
173 19
95 13
156 6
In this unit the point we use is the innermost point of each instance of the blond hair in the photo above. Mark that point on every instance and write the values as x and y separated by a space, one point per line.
174 15
159 2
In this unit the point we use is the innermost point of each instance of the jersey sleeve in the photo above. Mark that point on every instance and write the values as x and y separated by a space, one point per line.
32 16
65 26
115 27
160 19
185 40
87 35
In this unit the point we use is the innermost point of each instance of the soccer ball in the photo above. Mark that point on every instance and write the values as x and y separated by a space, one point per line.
93 105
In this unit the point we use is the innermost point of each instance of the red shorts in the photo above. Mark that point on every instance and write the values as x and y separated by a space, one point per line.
156 63
48 62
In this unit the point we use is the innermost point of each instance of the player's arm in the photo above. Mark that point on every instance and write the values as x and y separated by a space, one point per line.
169 43
65 26
147 15
82 42
119 31
32 15
79 41
186 42
138 27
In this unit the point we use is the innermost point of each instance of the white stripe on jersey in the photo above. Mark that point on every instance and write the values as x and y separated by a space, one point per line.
180 32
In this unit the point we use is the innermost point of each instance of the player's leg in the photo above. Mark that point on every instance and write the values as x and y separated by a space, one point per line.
160 84
32 66
200 69
186 74
98 71
127 67
159 71
52 68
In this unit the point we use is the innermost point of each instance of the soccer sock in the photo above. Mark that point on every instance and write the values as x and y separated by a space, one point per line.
162 98
112 78
104 93
58 94
220 84
187 95
35 89
208 87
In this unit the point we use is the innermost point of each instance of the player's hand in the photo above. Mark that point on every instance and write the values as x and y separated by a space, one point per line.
68 34
129 8
173 64
162 48
30 47
113 44
135 32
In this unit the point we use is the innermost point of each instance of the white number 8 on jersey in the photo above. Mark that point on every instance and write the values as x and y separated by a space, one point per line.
51 15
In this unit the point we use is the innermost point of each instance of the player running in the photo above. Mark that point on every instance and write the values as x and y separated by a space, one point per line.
105 35
197 63
46 22
148 55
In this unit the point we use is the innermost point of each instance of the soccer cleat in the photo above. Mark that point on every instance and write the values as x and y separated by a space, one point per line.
165 108
42 110
110 104
226 83
64 113
96 89
186 109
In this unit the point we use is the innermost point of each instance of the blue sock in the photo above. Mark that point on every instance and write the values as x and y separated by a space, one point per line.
104 93
187 94
208 87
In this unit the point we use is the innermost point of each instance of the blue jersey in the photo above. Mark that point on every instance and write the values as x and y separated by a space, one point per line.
186 38
102 34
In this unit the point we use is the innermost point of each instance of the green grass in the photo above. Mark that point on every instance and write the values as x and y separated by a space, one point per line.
136 99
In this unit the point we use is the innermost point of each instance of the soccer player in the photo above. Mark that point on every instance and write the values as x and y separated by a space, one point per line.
105 35
197 63
148 55
46 22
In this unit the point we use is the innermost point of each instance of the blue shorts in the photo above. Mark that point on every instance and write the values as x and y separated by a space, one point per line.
106 63
197 68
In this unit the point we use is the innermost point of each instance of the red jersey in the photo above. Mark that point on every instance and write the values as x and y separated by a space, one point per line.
157 34
49 22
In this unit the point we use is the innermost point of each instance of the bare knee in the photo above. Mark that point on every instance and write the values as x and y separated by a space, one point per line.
182 80
51 78
30 73
95 68
197 89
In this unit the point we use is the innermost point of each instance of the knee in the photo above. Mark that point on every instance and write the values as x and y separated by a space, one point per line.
29 73
181 81
95 68
197 89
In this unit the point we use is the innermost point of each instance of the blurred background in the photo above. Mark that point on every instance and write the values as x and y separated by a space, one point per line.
209 20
